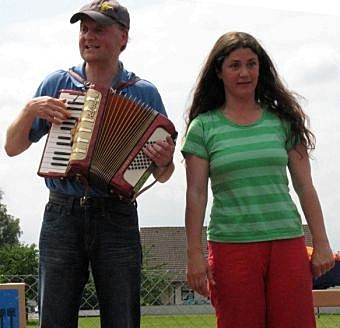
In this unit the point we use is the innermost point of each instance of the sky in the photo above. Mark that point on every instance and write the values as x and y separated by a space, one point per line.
169 41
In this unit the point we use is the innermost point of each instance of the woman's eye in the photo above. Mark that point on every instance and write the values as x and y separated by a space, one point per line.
234 66
252 64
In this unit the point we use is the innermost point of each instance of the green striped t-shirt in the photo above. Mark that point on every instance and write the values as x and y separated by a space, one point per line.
248 174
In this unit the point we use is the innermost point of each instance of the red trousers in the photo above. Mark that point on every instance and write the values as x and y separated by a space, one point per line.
262 284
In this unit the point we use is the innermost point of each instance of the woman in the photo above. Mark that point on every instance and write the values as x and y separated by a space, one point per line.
244 129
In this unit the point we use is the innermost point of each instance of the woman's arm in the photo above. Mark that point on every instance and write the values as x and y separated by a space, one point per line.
198 271
300 170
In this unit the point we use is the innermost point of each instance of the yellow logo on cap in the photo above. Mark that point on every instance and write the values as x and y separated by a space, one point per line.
105 6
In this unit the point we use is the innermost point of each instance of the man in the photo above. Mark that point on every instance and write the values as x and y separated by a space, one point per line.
102 231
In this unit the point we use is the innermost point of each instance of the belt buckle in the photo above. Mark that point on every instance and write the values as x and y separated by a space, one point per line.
83 201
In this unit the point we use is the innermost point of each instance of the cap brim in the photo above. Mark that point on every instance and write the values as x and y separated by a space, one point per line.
97 17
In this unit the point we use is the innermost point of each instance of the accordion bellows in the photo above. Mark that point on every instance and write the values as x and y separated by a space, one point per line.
103 141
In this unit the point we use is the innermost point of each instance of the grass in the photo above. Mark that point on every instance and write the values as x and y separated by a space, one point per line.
178 321
189 321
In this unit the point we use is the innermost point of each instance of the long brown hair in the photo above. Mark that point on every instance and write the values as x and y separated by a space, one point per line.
270 92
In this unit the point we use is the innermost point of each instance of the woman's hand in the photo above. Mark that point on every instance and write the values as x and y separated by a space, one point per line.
322 260
199 274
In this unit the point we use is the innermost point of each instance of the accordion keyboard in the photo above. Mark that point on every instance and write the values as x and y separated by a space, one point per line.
58 145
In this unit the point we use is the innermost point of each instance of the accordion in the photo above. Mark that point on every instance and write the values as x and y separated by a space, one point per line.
103 140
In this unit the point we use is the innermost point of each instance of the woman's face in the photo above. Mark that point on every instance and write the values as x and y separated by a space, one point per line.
239 73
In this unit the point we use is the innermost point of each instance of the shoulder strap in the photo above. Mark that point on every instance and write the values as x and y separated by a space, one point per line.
79 78
119 86
122 84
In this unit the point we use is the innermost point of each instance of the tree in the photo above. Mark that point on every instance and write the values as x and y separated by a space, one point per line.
18 263
18 260
9 226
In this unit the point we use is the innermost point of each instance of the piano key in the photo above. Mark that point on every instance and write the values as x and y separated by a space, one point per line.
58 164
62 153
58 145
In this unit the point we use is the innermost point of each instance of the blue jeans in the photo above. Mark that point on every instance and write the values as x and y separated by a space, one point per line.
75 238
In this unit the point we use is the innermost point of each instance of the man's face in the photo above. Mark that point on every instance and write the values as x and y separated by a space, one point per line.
101 43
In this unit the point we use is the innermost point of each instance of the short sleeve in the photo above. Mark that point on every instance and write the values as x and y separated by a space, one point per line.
194 141
290 142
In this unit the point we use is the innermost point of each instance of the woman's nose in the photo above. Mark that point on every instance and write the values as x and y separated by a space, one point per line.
244 70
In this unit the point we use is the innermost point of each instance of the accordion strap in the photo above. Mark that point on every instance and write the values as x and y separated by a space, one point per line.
123 84
150 184
118 86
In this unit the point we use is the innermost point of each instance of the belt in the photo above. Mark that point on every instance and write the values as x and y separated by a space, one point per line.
94 202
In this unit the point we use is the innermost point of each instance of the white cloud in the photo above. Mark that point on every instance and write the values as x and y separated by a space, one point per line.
315 65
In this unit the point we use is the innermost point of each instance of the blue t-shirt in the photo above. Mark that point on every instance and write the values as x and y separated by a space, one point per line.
50 86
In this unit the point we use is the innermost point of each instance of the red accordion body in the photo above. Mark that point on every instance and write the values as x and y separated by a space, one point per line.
106 143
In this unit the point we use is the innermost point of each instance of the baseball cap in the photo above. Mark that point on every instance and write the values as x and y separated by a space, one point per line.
104 12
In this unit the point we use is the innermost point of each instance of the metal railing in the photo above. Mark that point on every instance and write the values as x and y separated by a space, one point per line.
166 302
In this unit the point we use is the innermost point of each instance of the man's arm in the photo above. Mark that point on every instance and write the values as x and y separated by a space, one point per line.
17 138
51 109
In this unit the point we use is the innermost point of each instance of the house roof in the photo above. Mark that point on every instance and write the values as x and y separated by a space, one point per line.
165 247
